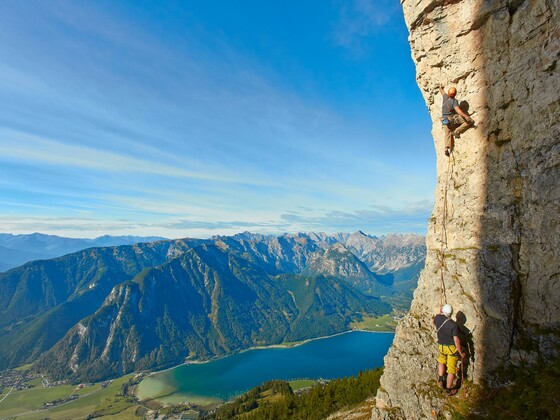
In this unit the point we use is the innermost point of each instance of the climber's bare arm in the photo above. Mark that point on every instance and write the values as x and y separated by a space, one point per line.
462 113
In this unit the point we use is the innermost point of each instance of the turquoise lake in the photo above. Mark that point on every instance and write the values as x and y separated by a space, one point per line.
225 378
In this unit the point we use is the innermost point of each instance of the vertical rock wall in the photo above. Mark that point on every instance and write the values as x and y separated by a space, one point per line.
498 220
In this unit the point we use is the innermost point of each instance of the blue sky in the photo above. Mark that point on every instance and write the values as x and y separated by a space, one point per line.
195 118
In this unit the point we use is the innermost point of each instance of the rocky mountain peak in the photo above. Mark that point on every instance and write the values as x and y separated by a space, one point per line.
42 301
339 247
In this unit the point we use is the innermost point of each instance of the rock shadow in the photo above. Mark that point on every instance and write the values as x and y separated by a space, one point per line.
517 255
466 337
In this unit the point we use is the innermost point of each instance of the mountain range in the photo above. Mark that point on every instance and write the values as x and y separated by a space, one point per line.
103 312
16 250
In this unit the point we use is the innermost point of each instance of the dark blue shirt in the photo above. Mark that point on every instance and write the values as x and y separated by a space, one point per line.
446 333
448 107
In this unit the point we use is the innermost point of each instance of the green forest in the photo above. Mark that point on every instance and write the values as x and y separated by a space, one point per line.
276 400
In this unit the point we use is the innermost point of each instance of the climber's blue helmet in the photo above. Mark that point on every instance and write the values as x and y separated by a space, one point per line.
447 309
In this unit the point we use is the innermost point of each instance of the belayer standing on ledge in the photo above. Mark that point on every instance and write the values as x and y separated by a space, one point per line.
455 120
449 346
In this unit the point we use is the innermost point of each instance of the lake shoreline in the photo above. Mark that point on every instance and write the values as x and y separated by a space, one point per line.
287 345
158 386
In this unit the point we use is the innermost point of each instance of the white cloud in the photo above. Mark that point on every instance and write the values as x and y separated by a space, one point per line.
175 140
375 219
360 19
378 219
23 147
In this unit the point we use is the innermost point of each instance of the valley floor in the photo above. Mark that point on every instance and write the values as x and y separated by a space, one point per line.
28 398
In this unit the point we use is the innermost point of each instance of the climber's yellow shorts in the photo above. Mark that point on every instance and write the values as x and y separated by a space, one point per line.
448 356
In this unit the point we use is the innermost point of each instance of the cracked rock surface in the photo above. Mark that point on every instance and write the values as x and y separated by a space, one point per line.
495 228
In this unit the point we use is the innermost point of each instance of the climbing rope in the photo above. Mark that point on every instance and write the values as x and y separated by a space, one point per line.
443 248
443 240
462 373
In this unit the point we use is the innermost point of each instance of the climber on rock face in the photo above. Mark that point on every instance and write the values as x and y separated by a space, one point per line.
449 346
455 120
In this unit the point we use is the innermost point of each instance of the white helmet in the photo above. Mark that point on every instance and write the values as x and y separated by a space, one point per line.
447 309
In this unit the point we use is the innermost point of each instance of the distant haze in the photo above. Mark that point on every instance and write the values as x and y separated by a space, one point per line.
16 250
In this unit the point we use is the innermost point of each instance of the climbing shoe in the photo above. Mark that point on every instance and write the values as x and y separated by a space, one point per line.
451 391
447 151
441 382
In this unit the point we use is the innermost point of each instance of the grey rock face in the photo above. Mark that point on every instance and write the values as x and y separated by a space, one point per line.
388 253
291 252
495 229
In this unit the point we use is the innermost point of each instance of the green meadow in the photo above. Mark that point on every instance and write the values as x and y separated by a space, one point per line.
385 323
301 384
92 399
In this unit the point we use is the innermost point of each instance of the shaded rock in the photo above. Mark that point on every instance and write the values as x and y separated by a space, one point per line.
494 231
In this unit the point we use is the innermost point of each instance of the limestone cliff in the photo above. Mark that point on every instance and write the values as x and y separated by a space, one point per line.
494 230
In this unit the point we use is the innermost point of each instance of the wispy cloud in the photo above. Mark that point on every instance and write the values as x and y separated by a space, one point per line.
361 18
112 116
236 226
28 148
68 225
376 219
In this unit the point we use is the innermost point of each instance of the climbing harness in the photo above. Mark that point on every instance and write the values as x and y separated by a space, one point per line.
440 327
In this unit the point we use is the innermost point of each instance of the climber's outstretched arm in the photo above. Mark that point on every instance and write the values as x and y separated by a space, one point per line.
459 111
